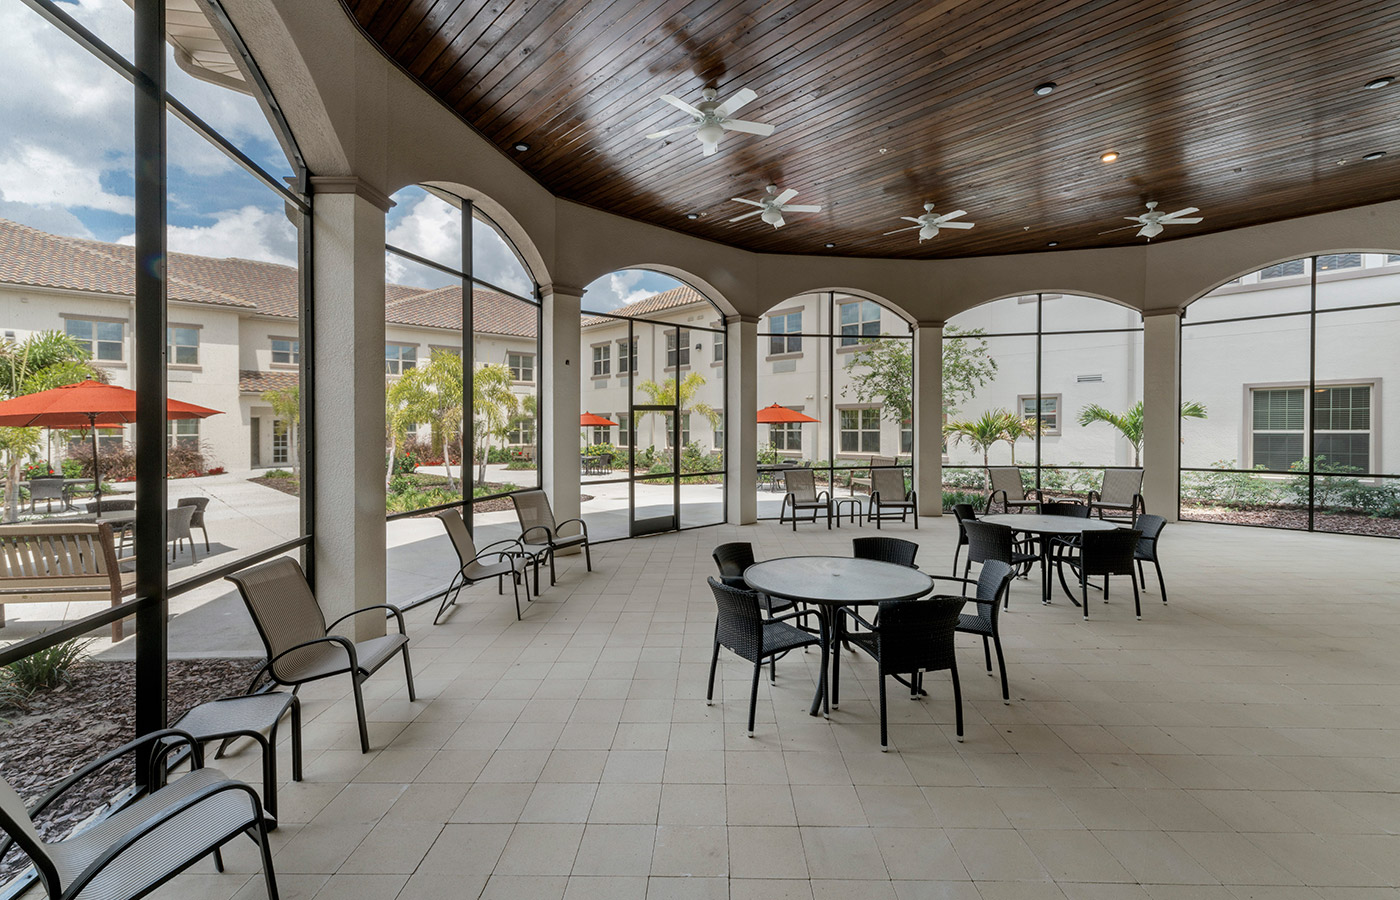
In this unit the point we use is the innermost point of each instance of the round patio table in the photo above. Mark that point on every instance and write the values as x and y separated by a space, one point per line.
829 582
1046 527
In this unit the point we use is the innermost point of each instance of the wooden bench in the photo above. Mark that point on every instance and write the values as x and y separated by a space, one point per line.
61 563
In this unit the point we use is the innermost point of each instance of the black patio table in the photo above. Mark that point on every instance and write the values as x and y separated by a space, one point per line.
829 582
1046 527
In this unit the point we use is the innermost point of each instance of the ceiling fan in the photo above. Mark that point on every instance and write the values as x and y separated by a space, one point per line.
771 208
711 119
1150 223
928 224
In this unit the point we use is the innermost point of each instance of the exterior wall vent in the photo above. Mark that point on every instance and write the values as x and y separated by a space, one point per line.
1084 379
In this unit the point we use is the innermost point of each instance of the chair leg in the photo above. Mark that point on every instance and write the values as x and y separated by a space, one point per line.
218 859
987 651
552 579
1105 587
957 701
1137 598
837 637
360 714
265 850
1001 663
500 585
956 553
714 663
449 597
1142 579
588 556
967 568
408 674
296 738
515 587
884 727
753 695
1084 592
1161 582
206 539
269 749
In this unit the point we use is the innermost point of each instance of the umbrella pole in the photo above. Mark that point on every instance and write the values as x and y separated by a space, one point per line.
96 468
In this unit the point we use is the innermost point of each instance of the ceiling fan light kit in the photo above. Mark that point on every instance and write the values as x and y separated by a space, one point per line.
929 224
1152 223
771 208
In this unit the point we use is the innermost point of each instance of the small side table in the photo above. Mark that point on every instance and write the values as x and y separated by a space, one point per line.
851 505
248 716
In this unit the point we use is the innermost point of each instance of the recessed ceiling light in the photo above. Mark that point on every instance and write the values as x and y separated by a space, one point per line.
692 215
1042 90
1379 83
522 146
1110 156
829 246
884 150
1053 244
1371 157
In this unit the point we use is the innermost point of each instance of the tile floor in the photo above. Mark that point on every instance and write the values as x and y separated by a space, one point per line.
1239 743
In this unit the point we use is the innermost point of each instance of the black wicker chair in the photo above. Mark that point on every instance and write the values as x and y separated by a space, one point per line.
732 559
1151 528
911 636
963 512
992 583
1064 508
883 549
989 542
1104 553
741 627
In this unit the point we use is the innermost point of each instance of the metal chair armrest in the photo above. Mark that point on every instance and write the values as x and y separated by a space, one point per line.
483 551
792 615
180 736
826 494
548 535
855 615
330 638
398 614
582 524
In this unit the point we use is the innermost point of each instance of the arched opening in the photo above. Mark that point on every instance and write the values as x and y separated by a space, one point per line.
652 404
840 369
1048 382
453 280
1291 361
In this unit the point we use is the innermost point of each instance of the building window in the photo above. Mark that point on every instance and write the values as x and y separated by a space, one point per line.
1278 427
906 436
685 429
286 352
677 348
719 346
1334 261
182 345
860 321
1342 423
1048 411
786 330
103 341
522 368
522 431
602 434
627 357
1282 270
281 443
860 430
602 361
624 430
399 358
719 430
183 433
108 440
786 436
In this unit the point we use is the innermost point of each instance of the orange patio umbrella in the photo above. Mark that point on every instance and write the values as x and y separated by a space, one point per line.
775 415
87 404
588 418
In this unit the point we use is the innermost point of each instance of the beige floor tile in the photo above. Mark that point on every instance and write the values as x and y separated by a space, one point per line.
842 853
525 887
919 854
691 851
1152 857
559 803
626 804
764 852
588 887
693 804
827 805
668 888
493 803
615 850
760 804
465 850
534 849
343 886
991 854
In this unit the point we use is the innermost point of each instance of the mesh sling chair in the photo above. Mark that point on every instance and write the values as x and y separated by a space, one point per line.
989 542
741 627
909 637
889 499
1151 528
1104 553
200 504
992 584
1006 481
802 494
143 845
299 645
1121 493
963 512
541 537
477 566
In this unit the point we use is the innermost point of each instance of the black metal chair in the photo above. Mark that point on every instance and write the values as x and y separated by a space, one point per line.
889 499
1151 528
1104 554
474 566
143 845
741 627
542 537
732 559
200 504
988 542
992 584
883 549
963 512
802 494
909 637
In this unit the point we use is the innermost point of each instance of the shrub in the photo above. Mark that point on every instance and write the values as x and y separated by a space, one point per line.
768 455
47 668
953 498
277 473
119 462
1231 489
695 458
72 468
36 469
599 449
215 470
185 461
965 478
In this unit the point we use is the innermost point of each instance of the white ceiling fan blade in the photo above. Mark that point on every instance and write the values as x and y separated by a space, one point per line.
1123 228
1138 219
1189 221
757 128
681 105
785 196
911 219
669 131
802 207
746 216
900 230
956 224
1181 212
952 215
749 202
740 98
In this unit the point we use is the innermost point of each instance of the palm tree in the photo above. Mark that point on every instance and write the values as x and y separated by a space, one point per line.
1017 428
1129 424
681 395
286 419
984 431
497 408
44 360
429 393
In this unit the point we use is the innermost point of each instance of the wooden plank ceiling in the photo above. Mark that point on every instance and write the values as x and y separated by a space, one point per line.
1251 110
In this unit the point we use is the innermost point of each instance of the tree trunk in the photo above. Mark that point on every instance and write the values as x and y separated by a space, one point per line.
12 491
388 476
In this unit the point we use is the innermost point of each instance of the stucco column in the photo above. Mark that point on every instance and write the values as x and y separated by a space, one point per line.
1161 411
928 416
559 400
348 406
741 414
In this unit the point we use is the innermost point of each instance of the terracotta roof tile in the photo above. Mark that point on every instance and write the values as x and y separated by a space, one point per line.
254 382
675 297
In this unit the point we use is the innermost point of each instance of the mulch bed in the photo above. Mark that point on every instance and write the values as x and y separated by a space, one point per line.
285 485
1284 517
61 730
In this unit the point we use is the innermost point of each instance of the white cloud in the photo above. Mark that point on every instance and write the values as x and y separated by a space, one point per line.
247 233
621 288
44 177
431 228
